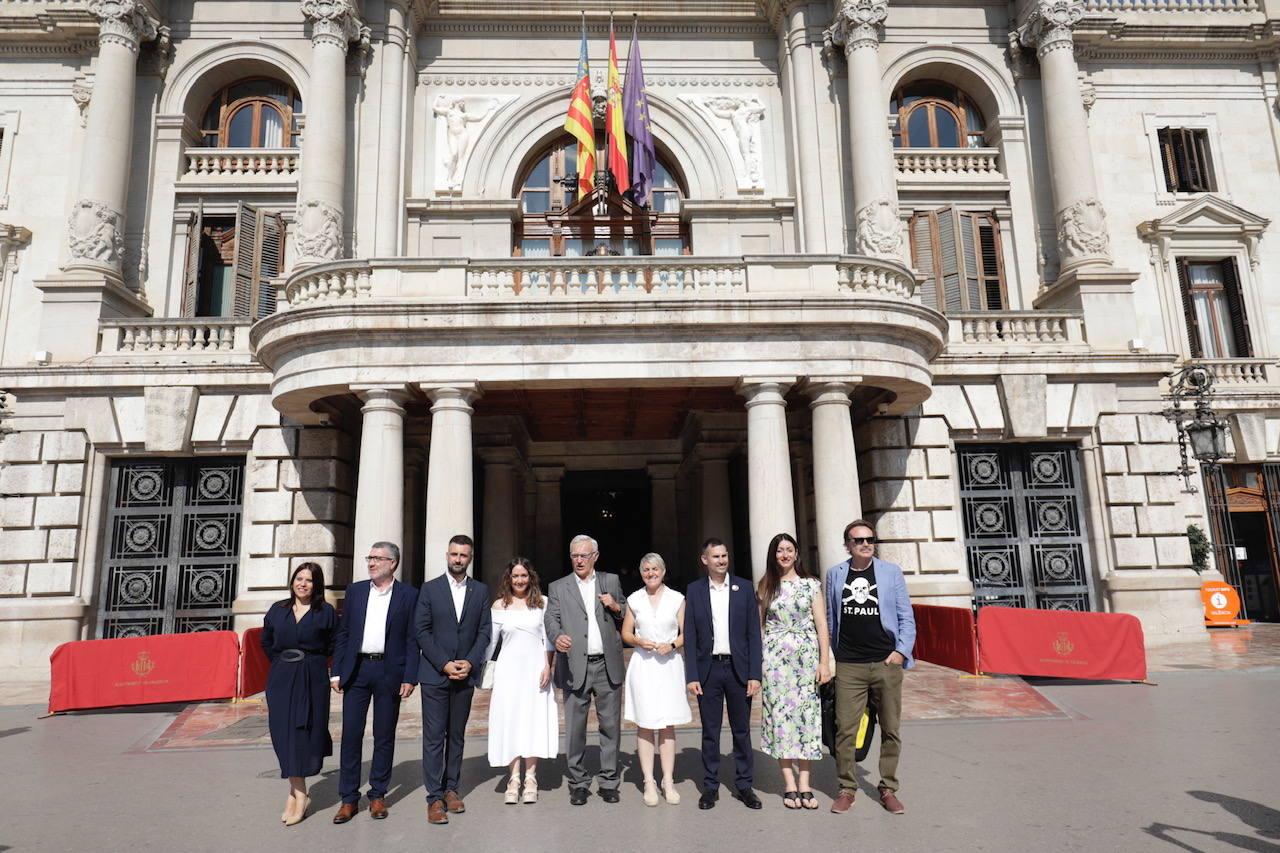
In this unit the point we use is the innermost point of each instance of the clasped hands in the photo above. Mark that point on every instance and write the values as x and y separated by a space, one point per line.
457 670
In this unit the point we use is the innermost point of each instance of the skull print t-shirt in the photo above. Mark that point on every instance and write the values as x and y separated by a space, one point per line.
863 638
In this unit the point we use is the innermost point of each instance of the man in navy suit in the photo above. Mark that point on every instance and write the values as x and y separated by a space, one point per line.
375 657
722 663
453 627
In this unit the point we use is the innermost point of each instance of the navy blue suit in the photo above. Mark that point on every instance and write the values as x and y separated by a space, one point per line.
363 679
724 682
446 704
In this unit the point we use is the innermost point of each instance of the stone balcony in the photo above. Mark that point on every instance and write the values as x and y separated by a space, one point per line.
235 169
926 169
1243 376
199 340
1016 332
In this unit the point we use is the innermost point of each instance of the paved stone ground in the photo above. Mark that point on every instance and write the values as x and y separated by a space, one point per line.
1189 764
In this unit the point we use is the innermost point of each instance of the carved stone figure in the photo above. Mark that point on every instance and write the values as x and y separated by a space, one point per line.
94 233
452 110
878 230
319 232
1082 230
744 114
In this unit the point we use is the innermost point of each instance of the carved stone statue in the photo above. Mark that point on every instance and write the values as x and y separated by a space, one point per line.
94 233
878 230
1082 230
457 135
745 115
319 233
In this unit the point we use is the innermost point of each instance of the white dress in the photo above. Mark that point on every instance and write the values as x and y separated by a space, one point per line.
522 716
655 696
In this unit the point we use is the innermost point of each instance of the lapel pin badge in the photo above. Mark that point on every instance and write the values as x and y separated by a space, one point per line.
734 587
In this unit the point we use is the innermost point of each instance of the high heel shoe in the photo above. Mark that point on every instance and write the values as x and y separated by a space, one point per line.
650 793
288 809
670 794
300 812
513 790
530 787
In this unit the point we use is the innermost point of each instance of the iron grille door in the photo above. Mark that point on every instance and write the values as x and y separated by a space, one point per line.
173 543
1024 526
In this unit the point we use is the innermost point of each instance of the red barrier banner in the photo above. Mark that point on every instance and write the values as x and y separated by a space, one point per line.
143 670
1061 644
254 665
946 636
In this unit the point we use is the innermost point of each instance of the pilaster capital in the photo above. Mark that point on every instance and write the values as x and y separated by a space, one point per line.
123 22
505 457
857 23
663 470
824 390
548 473
451 396
1047 26
335 21
382 398
765 390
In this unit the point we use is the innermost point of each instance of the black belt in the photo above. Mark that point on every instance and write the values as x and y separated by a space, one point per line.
594 658
722 658
367 656
295 655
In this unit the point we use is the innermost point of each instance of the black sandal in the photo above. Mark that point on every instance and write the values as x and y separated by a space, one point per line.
808 800
791 800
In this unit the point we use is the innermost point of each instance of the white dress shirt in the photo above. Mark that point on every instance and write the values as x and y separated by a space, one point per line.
459 590
375 620
720 617
587 589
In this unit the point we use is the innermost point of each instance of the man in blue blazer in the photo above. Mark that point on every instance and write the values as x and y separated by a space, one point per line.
873 630
453 627
375 657
722 663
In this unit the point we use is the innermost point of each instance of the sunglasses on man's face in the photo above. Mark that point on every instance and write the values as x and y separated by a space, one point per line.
862 540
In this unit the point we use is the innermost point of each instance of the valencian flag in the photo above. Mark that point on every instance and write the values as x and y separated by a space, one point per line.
614 129
636 118
579 122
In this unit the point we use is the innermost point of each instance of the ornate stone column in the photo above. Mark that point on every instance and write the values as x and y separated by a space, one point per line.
450 492
322 184
499 539
380 479
769 496
877 228
386 237
663 530
95 229
551 550
800 44
836 498
1079 217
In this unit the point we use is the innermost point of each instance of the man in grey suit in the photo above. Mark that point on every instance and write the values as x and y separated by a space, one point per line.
584 615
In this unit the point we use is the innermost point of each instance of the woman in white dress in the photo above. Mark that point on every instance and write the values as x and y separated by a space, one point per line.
522 709
655 692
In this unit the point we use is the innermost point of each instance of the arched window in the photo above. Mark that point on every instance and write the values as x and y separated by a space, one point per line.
556 222
932 114
255 113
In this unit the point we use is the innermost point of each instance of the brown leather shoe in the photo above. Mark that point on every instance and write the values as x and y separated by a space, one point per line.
891 802
842 803
436 813
454 803
345 812
378 808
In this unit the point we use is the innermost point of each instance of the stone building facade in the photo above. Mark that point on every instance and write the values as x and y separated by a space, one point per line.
280 279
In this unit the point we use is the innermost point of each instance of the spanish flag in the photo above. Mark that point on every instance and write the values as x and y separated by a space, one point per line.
614 121
579 123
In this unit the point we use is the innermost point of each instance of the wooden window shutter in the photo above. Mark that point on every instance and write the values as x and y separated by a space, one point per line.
992 267
1188 310
246 259
1167 159
971 297
923 257
1235 304
949 261
191 275
270 257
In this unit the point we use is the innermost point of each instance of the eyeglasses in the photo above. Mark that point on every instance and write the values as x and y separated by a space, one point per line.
586 556
861 540
373 559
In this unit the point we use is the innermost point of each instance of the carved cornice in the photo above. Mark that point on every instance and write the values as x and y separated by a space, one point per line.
858 23
336 21
123 22
1048 25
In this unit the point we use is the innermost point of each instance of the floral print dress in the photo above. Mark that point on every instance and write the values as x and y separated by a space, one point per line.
792 723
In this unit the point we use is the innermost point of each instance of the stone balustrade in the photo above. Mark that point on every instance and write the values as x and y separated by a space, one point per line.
169 337
1014 330
947 162
1239 373
875 278
241 163
623 277
1172 5
332 282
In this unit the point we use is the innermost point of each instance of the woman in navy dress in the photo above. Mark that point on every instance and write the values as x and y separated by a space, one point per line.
298 635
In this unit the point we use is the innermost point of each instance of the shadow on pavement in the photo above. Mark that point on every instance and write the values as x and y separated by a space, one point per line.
1264 819
7 733
1164 832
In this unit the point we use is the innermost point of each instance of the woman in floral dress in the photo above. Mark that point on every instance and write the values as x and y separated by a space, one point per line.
797 658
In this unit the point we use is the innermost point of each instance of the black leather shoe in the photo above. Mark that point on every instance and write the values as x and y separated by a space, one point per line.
578 797
609 795
749 798
708 800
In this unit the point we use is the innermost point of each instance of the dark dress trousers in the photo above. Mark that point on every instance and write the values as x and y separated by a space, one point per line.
298 685
723 682
377 680
446 704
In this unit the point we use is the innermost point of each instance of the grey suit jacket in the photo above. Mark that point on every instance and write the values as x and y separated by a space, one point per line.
566 615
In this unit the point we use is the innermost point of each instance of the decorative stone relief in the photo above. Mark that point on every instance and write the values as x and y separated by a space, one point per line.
1048 26
94 233
455 136
82 93
123 22
878 230
1082 229
857 23
737 120
319 231
333 19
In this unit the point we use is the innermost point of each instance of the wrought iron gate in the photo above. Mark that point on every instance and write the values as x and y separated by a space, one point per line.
173 543
1025 539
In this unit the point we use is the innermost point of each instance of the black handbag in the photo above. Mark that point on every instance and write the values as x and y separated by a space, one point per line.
866 729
